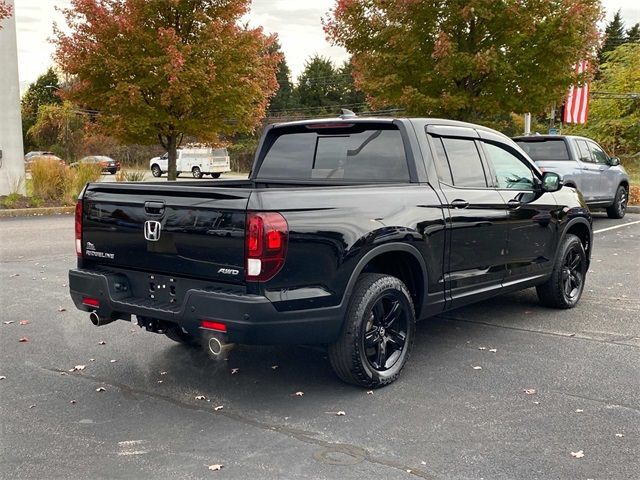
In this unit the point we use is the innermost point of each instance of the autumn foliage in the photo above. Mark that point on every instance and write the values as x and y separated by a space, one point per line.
5 11
469 60
158 70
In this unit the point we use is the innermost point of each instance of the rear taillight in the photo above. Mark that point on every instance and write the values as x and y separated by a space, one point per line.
79 228
267 237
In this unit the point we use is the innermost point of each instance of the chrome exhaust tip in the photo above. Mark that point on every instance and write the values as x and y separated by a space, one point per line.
218 349
99 321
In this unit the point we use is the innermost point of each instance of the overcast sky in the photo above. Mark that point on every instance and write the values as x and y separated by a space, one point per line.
297 23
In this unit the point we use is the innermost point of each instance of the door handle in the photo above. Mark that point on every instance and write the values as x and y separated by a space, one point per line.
513 204
459 203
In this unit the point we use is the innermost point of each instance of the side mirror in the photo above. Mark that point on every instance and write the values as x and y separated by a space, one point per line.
614 161
551 182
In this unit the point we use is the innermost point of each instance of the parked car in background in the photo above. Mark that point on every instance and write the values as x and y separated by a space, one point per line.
107 164
582 164
197 161
36 153
31 157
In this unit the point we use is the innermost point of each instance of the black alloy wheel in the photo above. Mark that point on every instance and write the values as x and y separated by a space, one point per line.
572 274
566 284
385 335
619 207
377 334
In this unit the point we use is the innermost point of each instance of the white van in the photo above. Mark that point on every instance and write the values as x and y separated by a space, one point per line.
197 161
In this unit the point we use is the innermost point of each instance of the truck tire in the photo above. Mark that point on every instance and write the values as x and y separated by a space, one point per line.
155 170
377 334
564 288
619 206
216 175
177 335
197 173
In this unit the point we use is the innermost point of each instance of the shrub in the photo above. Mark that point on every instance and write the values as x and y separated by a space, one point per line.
49 179
79 177
130 176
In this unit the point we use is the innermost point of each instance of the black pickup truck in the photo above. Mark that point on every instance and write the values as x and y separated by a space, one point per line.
346 232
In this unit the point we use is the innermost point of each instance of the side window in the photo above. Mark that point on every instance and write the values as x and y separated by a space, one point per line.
465 163
510 171
584 152
598 153
441 162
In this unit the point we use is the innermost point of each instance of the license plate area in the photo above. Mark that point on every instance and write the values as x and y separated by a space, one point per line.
163 289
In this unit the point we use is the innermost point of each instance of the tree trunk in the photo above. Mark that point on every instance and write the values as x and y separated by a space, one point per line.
172 150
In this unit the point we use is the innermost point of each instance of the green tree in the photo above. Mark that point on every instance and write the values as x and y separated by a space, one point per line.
158 70
59 128
44 91
633 34
350 96
614 35
468 59
615 122
284 98
319 86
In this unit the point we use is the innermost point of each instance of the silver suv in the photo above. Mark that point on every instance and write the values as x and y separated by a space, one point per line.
583 164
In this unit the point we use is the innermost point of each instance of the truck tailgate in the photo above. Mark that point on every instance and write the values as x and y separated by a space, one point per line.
194 231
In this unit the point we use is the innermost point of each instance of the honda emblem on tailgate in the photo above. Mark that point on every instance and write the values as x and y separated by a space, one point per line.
152 230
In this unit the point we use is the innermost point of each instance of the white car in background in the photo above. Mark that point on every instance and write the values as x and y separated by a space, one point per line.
197 161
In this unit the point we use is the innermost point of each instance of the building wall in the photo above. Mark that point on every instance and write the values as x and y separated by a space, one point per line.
12 162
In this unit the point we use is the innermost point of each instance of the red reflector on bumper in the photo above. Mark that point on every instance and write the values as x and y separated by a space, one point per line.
91 302
220 327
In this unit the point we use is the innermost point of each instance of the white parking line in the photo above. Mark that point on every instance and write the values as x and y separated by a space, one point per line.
617 226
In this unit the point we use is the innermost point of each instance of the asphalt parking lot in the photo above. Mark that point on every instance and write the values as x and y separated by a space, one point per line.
558 382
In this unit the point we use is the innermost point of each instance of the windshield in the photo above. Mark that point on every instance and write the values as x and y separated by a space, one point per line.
357 153
545 149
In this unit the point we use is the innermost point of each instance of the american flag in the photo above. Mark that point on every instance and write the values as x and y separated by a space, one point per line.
576 108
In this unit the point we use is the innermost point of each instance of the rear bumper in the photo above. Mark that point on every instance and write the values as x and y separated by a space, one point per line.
250 319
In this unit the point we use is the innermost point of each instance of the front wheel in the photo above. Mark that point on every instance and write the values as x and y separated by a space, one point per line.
564 288
156 171
197 173
377 334
619 207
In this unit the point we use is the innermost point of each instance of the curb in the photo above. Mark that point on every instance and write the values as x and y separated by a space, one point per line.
35 212
633 208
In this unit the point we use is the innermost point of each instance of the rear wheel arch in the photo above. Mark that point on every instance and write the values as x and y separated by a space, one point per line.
581 229
399 260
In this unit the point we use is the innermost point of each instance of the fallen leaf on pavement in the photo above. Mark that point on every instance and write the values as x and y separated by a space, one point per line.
14 275
579 410
32 406
536 403
493 350
159 381
578 454
370 392
23 340
101 389
24 322
482 348
77 368
8 322
219 407
216 467
92 359
234 371
200 397
113 361
340 413
274 367
299 394
72 402
529 391
102 342
423 463
619 435
163 373
477 367
62 309
2 377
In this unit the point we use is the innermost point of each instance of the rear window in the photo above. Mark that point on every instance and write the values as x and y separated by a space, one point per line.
360 153
547 149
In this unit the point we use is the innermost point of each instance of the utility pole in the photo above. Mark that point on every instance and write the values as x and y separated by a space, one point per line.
527 123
